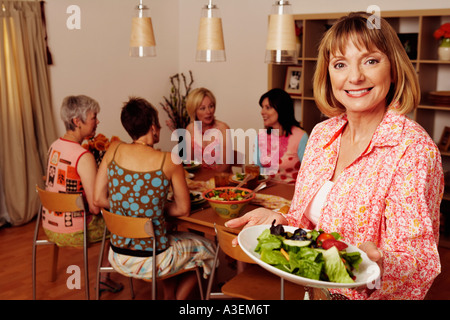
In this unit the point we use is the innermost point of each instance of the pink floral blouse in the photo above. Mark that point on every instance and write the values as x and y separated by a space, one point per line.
390 195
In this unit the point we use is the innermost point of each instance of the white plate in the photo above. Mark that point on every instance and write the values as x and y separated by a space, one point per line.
190 176
199 200
191 165
194 202
368 271
262 178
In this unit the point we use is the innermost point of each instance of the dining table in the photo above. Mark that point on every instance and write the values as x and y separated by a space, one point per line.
203 218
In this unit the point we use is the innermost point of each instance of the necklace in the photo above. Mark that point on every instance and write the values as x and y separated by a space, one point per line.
142 143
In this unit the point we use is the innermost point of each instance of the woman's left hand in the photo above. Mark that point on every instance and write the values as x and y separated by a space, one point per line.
373 253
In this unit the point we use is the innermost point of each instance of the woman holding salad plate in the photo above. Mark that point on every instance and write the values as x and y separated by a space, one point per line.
369 173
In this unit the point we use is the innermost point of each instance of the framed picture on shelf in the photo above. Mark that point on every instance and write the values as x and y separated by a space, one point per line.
444 143
293 81
409 42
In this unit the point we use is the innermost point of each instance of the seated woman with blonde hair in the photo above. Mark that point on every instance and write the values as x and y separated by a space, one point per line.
215 142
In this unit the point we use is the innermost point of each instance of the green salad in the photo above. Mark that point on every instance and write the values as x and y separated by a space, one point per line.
312 254
227 194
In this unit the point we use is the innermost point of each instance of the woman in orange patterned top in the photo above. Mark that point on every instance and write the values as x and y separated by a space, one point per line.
72 169
369 172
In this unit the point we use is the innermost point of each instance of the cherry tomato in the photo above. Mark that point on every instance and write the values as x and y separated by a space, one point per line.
328 243
324 236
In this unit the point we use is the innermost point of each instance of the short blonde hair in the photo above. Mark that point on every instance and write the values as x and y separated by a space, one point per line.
404 89
194 100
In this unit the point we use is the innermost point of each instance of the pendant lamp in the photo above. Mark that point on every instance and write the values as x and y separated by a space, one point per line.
142 40
281 48
210 43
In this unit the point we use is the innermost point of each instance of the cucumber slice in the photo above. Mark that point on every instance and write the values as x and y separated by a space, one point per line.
295 245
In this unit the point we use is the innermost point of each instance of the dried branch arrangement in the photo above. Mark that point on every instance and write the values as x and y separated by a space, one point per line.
175 105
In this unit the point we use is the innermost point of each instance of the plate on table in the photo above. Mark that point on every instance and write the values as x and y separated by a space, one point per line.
191 165
237 178
190 175
196 197
367 273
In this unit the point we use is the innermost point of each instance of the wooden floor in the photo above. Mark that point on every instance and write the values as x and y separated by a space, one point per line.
16 284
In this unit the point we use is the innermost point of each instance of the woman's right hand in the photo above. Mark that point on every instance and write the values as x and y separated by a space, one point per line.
255 217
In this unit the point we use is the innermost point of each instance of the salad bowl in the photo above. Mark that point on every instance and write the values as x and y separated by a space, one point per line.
228 202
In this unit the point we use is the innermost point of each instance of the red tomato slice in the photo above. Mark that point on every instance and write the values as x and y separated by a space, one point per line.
324 236
327 244
224 195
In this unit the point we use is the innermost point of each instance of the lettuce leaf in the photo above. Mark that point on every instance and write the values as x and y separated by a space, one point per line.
306 263
268 241
334 267
352 258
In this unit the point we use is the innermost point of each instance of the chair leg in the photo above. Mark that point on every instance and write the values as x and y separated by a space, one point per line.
200 285
211 276
100 262
131 288
33 262
85 253
154 270
55 255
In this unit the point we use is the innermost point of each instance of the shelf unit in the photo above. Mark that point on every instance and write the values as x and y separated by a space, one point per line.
427 65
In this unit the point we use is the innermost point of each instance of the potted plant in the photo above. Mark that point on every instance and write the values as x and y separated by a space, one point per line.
175 105
443 35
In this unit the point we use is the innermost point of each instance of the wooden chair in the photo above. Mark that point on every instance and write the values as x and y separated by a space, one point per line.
133 227
254 283
58 202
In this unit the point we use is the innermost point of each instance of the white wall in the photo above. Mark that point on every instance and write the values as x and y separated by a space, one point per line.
94 60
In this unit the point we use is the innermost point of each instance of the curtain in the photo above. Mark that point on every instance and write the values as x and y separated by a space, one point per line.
27 126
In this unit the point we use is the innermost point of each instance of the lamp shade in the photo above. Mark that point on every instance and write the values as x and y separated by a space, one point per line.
142 40
281 38
210 43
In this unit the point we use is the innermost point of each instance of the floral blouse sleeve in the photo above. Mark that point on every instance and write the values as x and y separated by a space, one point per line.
410 233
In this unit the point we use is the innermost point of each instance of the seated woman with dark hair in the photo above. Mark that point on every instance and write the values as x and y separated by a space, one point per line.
283 134
134 180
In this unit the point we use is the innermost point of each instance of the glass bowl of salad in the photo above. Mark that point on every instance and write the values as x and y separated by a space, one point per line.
228 202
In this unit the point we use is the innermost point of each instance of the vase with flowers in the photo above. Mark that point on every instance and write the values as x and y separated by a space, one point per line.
98 145
443 35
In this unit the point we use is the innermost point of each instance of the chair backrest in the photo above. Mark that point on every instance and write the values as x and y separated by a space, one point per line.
224 238
128 227
60 202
